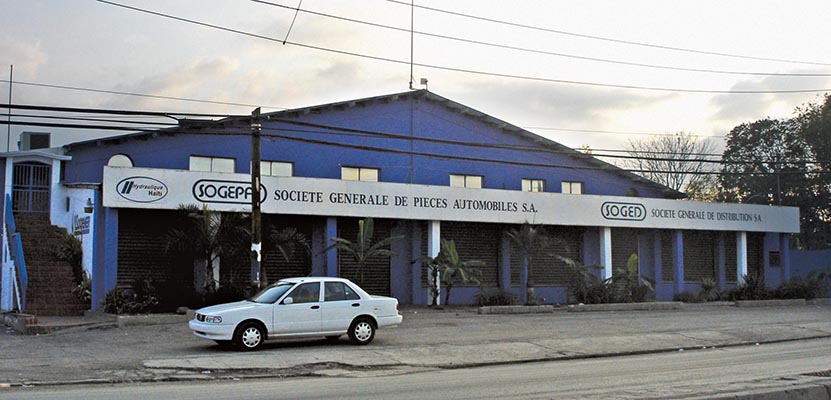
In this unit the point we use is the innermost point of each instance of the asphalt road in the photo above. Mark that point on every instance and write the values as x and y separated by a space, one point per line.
667 375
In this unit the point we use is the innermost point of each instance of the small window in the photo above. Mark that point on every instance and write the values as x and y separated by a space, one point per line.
533 185
572 187
338 291
306 293
211 164
359 174
466 181
276 168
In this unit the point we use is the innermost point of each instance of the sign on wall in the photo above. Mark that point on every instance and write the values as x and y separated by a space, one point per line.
168 189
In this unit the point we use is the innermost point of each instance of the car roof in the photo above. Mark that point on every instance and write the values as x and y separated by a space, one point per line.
314 279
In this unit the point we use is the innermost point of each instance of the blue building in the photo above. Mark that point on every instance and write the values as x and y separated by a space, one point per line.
424 167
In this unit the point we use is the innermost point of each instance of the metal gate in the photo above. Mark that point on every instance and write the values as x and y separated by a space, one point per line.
31 185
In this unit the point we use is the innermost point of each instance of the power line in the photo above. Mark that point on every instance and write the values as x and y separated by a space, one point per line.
536 51
153 96
461 70
607 39
614 132
168 114
120 121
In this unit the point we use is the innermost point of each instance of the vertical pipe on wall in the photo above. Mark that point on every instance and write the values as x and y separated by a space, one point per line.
741 257
678 259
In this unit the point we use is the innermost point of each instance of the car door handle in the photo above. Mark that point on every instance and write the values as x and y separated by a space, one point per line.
315 307
356 304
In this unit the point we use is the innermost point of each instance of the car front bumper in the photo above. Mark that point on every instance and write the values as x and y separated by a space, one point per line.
212 331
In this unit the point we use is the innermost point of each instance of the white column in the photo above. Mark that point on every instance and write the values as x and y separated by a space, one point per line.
741 257
606 251
433 248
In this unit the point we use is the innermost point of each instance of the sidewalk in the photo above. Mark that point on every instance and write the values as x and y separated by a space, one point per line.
162 348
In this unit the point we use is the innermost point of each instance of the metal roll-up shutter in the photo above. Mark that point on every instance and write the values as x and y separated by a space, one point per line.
730 256
376 274
755 256
476 242
547 269
699 255
141 251
299 262
624 244
667 265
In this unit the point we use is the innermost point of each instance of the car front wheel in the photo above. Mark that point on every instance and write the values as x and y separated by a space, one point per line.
361 332
249 336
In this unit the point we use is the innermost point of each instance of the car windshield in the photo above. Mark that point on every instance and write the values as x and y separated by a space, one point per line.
271 293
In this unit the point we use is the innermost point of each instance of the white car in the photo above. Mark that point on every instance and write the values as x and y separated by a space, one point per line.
298 307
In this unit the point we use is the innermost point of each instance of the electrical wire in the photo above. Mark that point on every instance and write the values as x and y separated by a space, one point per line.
135 94
542 128
607 39
536 51
461 70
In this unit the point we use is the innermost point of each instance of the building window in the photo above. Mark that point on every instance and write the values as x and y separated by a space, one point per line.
276 168
466 181
359 174
533 185
120 160
211 164
572 187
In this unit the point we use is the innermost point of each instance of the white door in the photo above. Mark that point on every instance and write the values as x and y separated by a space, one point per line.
302 315
340 305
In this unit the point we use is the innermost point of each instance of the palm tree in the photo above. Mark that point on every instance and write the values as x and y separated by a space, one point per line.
286 241
455 271
203 235
528 238
363 249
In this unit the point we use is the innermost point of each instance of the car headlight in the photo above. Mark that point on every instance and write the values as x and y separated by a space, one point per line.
213 319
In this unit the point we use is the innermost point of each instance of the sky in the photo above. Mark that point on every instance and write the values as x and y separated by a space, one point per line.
91 44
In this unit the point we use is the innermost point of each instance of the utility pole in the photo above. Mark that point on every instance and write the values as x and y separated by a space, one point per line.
9 126
256 234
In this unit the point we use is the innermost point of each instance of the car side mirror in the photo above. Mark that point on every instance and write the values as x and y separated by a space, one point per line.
288 300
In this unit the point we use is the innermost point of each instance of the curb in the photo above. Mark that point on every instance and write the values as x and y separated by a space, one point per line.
516 309
770 303
153 319
653 306
818 391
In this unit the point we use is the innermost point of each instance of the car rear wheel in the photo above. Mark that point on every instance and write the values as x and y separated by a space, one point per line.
361 332
249 336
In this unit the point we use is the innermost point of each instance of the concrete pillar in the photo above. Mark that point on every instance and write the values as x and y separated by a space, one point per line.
105 259
505 263
741 257
417 293
332 254
657 257
606 251
785 256
678 259
721 261
400 271
433 248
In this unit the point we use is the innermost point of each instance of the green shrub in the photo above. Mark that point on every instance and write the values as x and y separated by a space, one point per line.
687 297
141 299
709 290
72 252
813 286
495 298
83 290
753 288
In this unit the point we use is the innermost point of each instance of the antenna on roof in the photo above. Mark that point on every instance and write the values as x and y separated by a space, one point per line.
412 23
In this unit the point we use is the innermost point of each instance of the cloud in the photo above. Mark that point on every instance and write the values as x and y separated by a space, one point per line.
189 80
26 57
741 107
559 104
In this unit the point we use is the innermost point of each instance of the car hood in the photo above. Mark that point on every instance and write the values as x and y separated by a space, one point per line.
236 306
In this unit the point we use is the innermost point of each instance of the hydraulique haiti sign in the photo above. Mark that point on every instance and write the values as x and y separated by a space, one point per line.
168 189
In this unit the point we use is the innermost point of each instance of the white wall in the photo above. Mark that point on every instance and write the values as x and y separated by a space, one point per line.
65 219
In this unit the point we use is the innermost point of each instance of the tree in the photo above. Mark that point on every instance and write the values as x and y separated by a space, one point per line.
363 249
674 161
454 271
202 236
528 238
286 241
815 130
764 162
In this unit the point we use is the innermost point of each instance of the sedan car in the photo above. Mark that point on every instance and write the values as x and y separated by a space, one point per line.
298 307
